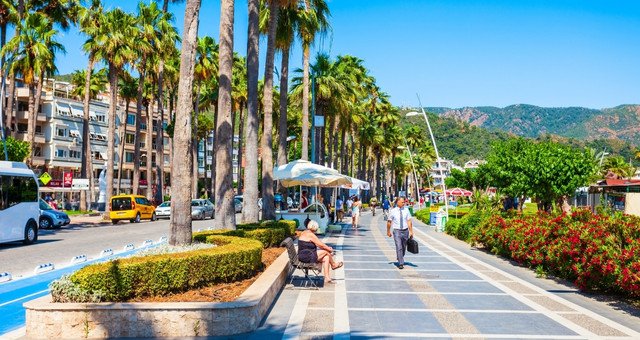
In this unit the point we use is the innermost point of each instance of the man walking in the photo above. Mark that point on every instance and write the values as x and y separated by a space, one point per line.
339 209
400 220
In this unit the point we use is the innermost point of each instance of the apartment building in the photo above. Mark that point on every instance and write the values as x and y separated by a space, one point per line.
440 170
58 141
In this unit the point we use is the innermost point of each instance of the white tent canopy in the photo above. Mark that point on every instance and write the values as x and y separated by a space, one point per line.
356 184
315 179
301 172
300 167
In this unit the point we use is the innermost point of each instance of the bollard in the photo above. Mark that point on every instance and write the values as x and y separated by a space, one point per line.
146 243
162 239
4 277
199 230
128 247
78 259
45 267
106 252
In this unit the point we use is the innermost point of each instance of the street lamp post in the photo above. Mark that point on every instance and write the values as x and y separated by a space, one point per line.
435 148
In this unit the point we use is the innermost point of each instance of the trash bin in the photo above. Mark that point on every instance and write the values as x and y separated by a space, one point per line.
433 218
411 210
441 221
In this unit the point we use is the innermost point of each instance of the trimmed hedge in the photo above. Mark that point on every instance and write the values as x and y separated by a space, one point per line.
233 259
269 233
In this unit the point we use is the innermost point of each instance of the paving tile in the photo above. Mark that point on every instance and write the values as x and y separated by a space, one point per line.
364 300
318 321
491 302
394 322
469 287
363 274
382 286
524 324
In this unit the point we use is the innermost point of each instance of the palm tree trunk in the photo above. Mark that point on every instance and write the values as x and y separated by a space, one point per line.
10 109
122 144
86 145
343 151
268 208
213 156
181 164
31 125
160 137
305 103
331 139
240 149
225 211
136 153
250 192
149 143
195 146
113 100
284 95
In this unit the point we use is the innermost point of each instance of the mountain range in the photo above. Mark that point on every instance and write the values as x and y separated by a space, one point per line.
620 122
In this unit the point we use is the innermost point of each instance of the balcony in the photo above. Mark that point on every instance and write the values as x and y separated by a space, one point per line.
24 115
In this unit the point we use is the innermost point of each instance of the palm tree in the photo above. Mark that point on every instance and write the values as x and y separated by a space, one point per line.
250 192
313 20
33 53
128 91
116 31
165 6
180 184
618 167
225 212
97 83
239 98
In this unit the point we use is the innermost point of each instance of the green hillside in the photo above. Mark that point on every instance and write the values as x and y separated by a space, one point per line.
621 122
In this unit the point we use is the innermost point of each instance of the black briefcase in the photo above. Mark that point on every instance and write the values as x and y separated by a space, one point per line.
412 246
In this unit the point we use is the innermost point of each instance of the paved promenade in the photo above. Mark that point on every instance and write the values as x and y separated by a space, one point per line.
443 292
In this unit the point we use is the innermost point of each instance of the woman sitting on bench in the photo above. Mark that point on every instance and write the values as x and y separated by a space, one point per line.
312 250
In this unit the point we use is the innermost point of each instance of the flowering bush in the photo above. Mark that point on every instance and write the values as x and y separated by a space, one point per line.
597 252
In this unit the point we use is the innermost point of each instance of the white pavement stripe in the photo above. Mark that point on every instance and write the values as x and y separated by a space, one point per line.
413 269
23 297
387 262
408 279
462 336
440 310
15 334
341 328
423 293
551 314
385 256
294 326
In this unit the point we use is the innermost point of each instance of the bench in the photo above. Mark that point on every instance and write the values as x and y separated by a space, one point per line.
295 263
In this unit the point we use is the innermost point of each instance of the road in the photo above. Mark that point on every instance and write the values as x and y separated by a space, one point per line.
86 237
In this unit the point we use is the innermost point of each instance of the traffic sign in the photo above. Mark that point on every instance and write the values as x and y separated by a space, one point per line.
45 178
80 184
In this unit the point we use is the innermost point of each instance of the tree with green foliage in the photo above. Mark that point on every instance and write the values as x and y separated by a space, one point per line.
17 150
618 167
470 179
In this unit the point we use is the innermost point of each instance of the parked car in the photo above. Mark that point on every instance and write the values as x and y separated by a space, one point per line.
131 207
241 199
237 205
51 218
164 210
201 209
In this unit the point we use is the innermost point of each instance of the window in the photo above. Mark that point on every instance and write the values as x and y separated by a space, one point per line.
166 159
101 118
62 132
22 128
165 141
75 154
130 138
143 126
23 106
17 189
128 157
131 119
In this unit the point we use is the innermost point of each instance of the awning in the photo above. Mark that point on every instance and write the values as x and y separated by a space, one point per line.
355 183
300 167
316 179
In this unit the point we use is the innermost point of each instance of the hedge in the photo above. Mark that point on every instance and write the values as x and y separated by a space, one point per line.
233 259
269 233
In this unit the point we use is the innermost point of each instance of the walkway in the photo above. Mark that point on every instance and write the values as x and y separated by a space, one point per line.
443 292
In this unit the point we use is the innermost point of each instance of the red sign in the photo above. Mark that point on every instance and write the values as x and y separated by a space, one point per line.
54 183
68 179
143 182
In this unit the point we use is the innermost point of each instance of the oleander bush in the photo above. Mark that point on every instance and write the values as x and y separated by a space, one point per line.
596 252
232 259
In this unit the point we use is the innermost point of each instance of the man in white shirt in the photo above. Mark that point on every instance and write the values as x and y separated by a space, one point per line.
400 221
349 205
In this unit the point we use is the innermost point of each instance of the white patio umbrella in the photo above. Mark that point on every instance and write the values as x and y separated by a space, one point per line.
355 183
300 167
316 179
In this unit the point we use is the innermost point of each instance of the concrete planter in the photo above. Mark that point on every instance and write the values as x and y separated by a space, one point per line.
46 320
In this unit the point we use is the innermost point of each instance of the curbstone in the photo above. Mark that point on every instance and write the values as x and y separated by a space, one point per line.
45 267
78 259
4 277
146 243
128 247
162 239
106 252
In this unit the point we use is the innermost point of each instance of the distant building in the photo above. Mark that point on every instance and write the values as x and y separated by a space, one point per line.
440 170
474 164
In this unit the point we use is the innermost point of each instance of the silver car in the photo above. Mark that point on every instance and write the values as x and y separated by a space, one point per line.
164 210
51 218
201 209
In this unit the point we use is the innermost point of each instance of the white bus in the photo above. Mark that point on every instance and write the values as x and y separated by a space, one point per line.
19 205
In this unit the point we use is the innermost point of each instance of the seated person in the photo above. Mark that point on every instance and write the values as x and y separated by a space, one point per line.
312 250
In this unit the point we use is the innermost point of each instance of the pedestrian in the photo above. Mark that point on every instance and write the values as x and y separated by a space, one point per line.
355 212
349 204
400 221
386 205
312 250
339 211
303 200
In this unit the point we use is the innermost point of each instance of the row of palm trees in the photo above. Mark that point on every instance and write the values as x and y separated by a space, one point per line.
211 88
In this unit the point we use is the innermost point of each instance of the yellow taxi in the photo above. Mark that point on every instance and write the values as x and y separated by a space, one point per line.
131 207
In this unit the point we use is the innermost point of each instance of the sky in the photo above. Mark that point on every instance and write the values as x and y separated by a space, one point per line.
456 53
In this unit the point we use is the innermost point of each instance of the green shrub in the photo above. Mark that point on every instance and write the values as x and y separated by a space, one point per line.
271 234
233 259
423 215
464 228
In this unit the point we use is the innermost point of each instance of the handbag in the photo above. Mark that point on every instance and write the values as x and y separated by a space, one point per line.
412 246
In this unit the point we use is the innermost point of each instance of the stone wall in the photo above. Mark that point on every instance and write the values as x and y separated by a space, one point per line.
46 320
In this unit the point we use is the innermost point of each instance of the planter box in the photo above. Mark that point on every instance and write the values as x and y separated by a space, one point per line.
46 320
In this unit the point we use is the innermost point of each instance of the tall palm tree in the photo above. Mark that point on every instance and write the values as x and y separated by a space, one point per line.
33 52
116 31
313 20
239 99
128 91
180 184
165 5
225 212
90 23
